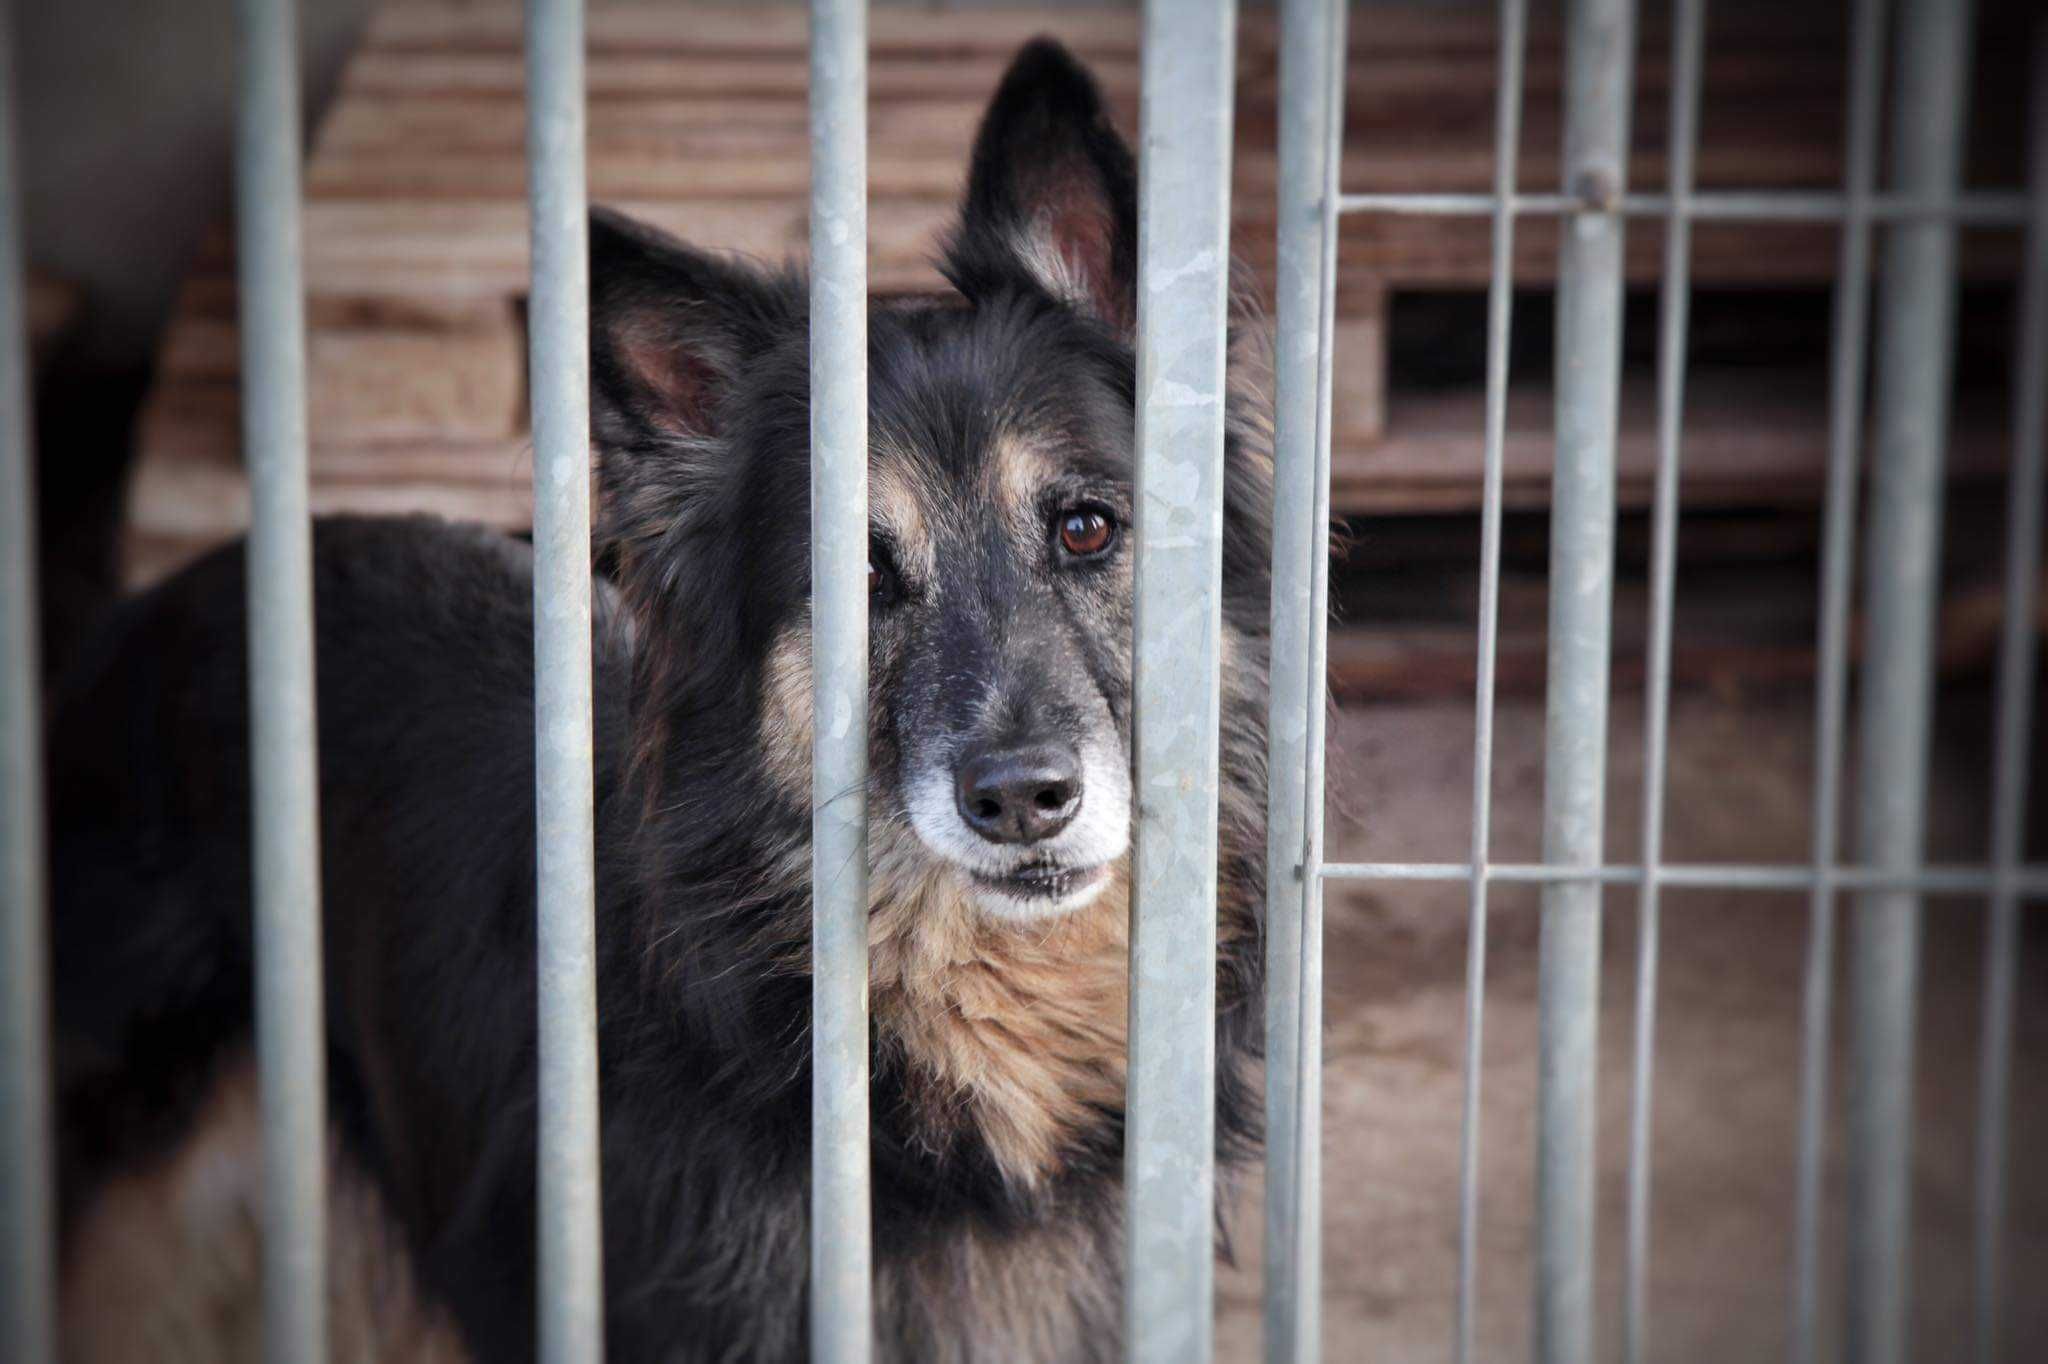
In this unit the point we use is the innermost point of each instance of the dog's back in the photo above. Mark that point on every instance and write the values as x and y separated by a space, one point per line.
424 652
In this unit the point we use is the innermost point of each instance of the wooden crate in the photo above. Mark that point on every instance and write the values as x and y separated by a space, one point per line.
415 232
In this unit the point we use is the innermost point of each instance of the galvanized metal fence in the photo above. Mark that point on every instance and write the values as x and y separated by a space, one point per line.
1186 131
1921 212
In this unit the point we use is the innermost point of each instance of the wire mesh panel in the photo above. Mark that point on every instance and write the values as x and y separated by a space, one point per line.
1919 211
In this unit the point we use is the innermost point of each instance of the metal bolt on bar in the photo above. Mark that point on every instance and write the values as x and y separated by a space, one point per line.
1311 126
1599 78
842 1307
1500 294
1183 276
2015 730
1847 367
28 1243
1687 41
291 1050
571 1250
1902 573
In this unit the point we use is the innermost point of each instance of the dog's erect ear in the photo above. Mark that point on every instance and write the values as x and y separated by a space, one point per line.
1052 194
671 329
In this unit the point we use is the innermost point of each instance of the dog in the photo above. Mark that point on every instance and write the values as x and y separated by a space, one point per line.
1000 808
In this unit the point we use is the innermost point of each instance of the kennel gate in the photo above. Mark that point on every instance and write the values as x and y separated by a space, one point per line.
1186 92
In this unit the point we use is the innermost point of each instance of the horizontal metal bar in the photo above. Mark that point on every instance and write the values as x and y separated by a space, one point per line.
1990 208
2028 883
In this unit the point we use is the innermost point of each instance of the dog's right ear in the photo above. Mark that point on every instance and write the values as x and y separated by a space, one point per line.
671 329
672 333
1052 194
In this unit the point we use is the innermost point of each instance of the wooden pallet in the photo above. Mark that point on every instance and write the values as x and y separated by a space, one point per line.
415 232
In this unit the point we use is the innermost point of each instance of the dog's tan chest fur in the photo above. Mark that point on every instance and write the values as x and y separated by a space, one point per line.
1022 1023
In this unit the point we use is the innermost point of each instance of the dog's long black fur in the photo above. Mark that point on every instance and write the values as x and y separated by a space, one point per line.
426 770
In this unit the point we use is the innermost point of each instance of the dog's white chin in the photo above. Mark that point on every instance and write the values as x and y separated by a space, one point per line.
1086 852
1000 904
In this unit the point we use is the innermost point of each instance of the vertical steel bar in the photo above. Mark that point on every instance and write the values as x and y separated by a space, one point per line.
1687 40
28 1246
291 1046
1599 72
1903 568
1847 366
1308 1127
841 1300
1311 73
1183 285
2013 744
1500 297
571 1252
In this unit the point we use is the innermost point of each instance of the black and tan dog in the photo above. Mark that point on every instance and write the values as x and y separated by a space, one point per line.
1000 582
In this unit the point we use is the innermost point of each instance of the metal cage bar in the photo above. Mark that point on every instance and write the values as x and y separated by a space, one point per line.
1847 371
291 1042
28 1243
1188 69
1311 129
1902 572
841 1298
2013 743
1599 84
1687 42
1988 208
2028 882
570 1230
1500 298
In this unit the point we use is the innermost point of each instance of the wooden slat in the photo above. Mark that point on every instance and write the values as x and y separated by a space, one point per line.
416 237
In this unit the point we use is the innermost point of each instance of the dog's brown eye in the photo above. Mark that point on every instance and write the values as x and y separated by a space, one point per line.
883 588
1085 533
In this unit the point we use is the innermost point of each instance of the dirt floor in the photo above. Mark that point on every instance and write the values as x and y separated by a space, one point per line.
1727 1049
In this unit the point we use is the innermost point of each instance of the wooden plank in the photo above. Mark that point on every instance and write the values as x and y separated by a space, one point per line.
1358 370
1751 439
383 382
416 234
404 248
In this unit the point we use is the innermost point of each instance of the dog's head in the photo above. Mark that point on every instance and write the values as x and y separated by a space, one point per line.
1000 507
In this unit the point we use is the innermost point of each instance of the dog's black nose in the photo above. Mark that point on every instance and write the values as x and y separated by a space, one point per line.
1019 795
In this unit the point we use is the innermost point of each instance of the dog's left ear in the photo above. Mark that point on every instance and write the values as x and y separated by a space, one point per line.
1052 194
